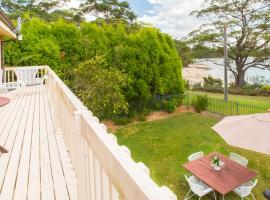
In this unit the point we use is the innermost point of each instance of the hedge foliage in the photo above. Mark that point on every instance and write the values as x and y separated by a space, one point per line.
146 58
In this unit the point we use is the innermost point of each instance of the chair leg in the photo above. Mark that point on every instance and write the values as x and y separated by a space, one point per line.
214 195
253 196
188 197
187 194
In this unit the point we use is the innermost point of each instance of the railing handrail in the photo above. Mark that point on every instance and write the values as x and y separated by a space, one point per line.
26 67
130 179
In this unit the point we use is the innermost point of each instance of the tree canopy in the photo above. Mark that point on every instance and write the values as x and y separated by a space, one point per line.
248 23
49 10
110 10
140 63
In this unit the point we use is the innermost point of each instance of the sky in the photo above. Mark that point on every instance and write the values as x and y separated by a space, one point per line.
170 16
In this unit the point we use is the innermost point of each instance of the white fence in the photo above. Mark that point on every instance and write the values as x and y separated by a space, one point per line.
105 170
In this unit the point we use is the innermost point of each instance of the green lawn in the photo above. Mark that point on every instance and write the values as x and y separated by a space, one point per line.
237 104
254 100
164 146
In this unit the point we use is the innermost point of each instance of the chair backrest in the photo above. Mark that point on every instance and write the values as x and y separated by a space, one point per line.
239 159
27 75
246 189
195 156
194 186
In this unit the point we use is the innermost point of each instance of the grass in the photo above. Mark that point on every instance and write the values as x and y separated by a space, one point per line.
164 146
237 104
252 100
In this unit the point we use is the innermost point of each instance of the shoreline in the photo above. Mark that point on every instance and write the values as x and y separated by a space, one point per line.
195 72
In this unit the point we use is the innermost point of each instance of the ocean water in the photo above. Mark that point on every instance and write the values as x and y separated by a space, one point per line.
217 71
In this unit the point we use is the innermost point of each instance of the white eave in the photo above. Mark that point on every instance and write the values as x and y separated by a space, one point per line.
6 31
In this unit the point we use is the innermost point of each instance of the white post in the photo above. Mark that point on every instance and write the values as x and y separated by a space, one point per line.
225 64
79 155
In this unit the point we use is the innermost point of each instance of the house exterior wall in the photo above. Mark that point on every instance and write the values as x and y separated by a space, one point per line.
7 33
1 59
1 52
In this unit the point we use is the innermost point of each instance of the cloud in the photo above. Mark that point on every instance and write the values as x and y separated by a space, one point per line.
173 16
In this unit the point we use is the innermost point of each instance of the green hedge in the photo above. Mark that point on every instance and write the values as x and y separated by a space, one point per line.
147 58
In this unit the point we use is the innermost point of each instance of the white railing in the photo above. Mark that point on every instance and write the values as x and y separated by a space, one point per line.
15 77
104 170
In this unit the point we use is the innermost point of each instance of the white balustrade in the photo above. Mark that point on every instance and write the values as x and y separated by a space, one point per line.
14 77
104 170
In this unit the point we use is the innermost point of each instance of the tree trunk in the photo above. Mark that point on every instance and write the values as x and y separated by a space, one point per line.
240 78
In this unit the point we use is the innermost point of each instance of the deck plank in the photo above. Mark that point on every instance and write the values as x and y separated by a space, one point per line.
47 190
61 191
21 187
11 172
68 169
34 173
38 165
8 136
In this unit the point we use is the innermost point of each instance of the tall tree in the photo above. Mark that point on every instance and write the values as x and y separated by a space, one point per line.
184 52
49 10
110 10
248 24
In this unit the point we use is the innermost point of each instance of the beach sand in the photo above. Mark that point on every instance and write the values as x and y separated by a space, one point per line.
195 73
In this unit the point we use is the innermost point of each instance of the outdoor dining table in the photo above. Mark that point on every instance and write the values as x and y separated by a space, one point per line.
231 176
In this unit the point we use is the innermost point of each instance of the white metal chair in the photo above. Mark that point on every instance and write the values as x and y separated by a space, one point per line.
195 156
198 188
246 189
239 159
3 88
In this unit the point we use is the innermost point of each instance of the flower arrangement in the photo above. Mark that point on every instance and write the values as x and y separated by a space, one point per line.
216 163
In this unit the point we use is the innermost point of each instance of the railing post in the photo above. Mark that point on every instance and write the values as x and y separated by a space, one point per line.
237 108
187 99
103 168
78 165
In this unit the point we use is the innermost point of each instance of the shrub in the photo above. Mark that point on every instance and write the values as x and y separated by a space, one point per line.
122 120
142 117
210 81
187 84
101 89
201 103
170 106
266 88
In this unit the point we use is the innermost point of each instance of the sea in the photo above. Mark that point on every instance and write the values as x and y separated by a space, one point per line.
215 69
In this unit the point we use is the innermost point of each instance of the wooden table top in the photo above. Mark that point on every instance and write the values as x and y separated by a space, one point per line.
230 177
4 101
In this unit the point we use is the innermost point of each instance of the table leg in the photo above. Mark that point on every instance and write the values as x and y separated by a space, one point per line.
219 196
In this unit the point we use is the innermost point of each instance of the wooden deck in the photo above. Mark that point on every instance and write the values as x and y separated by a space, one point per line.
37 165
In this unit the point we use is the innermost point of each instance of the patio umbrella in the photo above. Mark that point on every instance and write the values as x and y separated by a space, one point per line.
247 131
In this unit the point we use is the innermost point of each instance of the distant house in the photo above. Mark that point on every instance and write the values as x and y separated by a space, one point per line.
6 31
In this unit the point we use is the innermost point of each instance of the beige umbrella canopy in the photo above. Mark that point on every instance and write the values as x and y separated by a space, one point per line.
248 131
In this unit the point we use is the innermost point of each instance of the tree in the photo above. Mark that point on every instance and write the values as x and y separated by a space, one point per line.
248 23
49 10
110 10
101 89
145 57
184 52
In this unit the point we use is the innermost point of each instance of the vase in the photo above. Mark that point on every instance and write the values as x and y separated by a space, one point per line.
217 168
